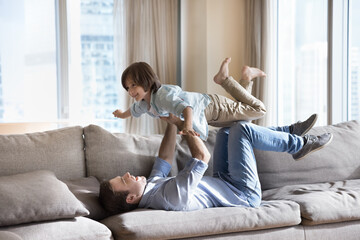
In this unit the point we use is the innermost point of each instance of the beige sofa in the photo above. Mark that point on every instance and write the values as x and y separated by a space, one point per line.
49 186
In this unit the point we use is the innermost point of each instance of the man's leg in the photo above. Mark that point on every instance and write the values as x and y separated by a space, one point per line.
299 128
242 169
220 154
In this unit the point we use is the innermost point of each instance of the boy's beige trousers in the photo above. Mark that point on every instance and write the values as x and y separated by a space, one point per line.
223 111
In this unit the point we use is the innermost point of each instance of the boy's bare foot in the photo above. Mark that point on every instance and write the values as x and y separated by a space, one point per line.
223 73
249 73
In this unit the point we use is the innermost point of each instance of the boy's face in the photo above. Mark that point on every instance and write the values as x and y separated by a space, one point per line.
135 91
134 185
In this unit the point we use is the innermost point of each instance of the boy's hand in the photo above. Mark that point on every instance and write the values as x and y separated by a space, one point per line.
189 131
118 113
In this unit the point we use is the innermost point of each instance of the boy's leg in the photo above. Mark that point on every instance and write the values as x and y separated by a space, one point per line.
223 111
247 75
240 91
242 169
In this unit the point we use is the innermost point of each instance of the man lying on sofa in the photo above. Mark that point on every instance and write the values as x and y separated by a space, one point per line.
235 179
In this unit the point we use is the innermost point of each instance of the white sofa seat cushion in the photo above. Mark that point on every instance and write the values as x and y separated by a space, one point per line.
9 235
324 202
159 224
71 229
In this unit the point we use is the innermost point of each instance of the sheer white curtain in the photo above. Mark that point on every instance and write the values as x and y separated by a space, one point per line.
146 31
261 53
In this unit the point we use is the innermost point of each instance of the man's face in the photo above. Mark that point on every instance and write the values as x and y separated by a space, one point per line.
134 185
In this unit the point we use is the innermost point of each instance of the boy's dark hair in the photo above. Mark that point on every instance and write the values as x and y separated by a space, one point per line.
114 202
142 75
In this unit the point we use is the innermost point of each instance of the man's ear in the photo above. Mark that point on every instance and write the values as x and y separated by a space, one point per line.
132 199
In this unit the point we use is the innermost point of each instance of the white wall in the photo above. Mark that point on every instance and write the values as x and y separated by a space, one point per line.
210 31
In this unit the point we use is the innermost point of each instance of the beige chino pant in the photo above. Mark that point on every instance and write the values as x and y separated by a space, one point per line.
223 111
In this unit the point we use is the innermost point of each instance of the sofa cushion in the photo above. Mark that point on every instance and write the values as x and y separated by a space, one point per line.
324 202
6 235
36 196
87 191
112 154
334 231
159 224
60 151
69 229
340 160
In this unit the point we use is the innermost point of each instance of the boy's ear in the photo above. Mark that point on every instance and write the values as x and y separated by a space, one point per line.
132 199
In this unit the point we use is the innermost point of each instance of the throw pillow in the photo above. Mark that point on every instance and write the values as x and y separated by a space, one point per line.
87 191
36 196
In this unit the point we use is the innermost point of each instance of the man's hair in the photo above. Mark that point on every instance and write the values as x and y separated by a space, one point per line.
114 202
142 75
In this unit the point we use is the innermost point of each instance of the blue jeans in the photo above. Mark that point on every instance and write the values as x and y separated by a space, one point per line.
234 157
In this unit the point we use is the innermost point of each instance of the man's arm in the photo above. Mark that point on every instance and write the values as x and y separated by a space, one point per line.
197 148
196 145
167 146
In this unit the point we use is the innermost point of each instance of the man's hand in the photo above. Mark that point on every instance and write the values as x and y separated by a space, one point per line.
189 131
172 119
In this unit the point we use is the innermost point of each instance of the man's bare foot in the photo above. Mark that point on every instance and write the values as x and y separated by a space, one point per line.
249 73
223 73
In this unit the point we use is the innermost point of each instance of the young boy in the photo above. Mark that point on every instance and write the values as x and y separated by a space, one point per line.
197 110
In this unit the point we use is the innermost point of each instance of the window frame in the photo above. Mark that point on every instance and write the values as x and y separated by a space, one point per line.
338 61
62 57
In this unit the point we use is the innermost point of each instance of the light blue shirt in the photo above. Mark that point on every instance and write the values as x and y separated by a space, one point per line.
189 190
172 99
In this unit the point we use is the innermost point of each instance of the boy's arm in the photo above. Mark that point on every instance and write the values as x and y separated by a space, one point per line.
188 118
120 114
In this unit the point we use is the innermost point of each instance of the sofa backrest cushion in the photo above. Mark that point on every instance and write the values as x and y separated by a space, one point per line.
113 154
340 160
60 151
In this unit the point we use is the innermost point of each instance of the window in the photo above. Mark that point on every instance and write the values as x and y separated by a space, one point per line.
57 63
27 61
93 85
318 62
302 60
